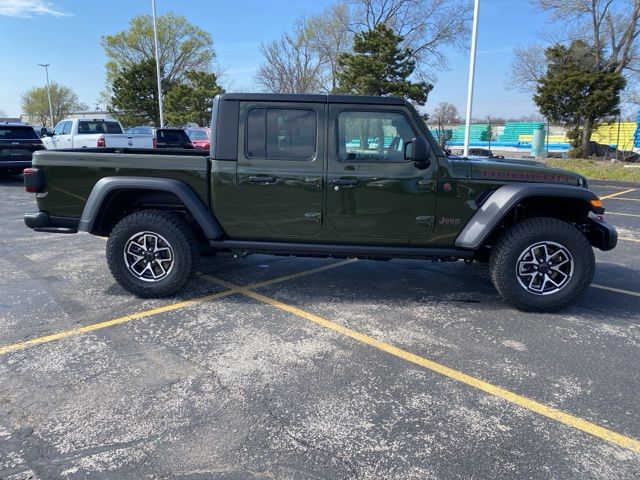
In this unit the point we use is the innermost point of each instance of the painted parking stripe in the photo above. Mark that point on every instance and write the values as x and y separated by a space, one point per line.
148 313
626 199
514 398
623 214
612 195
627 239
109 323
617 290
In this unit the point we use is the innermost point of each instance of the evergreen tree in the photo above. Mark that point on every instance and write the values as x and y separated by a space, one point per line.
192 100
576 93
135 95
380 66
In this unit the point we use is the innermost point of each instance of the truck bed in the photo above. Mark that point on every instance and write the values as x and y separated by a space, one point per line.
72 174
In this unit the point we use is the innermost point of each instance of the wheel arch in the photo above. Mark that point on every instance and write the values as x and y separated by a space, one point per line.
111 196
502 207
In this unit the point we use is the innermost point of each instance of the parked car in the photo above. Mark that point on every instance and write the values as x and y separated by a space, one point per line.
283 176
84 133
168 137
200 138
17 144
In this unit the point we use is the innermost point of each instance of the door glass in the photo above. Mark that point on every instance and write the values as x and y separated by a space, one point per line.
58 129
279 133
373 136
67 128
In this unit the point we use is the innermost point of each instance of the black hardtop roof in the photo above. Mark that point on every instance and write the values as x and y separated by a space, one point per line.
292 97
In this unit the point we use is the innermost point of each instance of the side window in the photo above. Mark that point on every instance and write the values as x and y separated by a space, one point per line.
58 129
373 136
67 128
281 133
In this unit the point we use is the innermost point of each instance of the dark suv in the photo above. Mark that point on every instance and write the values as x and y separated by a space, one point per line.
165 137
17 144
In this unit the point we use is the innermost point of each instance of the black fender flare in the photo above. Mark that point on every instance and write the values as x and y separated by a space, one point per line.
101 191
500 202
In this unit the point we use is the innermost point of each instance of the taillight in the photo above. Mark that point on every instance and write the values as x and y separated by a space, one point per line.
32 180
101 142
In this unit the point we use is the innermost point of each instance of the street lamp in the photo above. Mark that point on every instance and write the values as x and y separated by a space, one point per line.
472 71
155 39
46 70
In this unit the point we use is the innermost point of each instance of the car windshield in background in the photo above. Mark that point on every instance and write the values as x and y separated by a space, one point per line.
172 136
98 126
17 133
197 135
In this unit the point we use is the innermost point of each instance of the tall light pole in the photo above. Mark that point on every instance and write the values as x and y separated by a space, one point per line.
155 39
46 70
472 71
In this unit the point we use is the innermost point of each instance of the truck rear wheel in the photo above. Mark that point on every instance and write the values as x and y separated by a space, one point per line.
541 264
152 253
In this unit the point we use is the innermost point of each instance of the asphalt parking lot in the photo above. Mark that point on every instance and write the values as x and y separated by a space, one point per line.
274 367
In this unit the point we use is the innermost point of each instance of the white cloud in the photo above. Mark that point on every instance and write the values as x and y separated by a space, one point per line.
28 8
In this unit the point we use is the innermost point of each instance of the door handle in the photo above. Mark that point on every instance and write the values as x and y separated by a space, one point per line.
344 182
262 180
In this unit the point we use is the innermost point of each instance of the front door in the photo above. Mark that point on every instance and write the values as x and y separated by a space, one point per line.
373 193
280 168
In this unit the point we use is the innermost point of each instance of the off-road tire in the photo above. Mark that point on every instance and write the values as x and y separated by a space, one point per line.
167 225
509 248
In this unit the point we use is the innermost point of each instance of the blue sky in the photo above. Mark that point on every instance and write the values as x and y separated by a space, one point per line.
66 34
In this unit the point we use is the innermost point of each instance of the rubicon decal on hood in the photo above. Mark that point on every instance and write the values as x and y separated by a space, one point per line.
525 176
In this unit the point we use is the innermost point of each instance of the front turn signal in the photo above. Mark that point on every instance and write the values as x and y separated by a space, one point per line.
597 203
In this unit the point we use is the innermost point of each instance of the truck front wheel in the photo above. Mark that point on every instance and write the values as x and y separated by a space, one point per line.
152 253
541 264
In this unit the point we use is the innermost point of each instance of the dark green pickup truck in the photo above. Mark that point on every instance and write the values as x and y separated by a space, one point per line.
318 175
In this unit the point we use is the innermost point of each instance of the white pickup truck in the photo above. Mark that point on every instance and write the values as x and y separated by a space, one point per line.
86 133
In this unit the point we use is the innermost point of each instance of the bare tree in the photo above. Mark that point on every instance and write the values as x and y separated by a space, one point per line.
329 36
527 67
444 114
290 65
611 26
426 25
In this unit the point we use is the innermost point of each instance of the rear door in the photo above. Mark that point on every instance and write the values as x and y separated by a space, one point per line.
373 194
280 166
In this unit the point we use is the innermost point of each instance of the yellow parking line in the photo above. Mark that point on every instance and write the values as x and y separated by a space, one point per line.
627 239
302 274
627 199
148 313
514 398
623 214
619 193
617 290
109 323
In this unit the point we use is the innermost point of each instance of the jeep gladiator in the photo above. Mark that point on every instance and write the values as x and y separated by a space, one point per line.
324 175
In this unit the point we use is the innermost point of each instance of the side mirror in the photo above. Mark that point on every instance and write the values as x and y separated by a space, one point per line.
44 132
417 151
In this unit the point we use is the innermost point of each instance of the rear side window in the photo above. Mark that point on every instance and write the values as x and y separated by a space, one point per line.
17 133
174 136
198 135
98 126
281 133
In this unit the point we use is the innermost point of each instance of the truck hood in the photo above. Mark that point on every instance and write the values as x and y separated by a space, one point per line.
515 170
